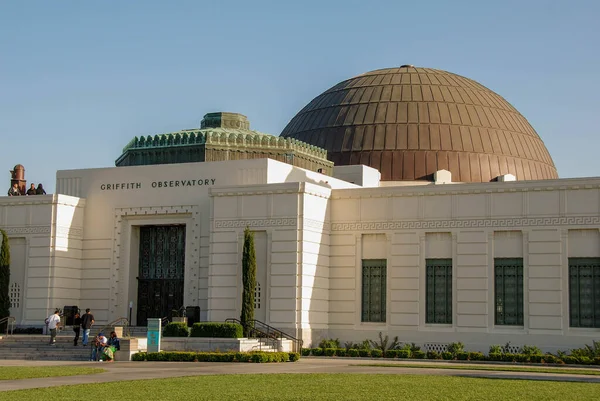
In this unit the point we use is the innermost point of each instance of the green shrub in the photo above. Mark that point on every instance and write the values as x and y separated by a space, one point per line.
317 351
521 358
508 357
404 353
476 356
585 360
536 358
364 353
329 351
531 350
242 357
376 353
340 352
256 357
570 360
418 354
462 356
352 353
391 353
217 330
176 330
549 358
495 356
384 343
305 351
591 352
331 343
495 349
433 355
455 348
447 356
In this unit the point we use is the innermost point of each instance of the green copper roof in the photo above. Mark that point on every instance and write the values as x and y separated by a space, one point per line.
226 137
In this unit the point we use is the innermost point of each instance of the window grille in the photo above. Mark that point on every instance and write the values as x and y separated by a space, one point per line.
508 284
584 292
439 291
374 277
257 294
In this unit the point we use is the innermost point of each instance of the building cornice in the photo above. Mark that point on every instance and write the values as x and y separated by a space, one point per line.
468 189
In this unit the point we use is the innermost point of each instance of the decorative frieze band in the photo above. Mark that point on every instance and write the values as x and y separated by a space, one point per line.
471 223
12 231
237 223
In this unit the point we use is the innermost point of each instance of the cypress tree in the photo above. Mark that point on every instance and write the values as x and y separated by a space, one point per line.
249 281
4 279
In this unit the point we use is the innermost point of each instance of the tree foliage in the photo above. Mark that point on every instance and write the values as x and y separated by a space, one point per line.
4 278
249 280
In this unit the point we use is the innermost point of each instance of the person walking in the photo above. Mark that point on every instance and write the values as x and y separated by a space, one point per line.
87 321
53 322
76 327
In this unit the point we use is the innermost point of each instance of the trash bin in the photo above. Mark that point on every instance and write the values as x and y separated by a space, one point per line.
193 315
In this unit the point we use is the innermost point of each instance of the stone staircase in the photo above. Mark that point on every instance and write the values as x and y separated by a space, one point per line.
36 347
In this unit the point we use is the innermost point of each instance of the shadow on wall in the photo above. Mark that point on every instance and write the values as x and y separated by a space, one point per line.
301 175
313 286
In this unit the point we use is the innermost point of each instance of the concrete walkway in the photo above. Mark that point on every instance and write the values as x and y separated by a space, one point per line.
119 371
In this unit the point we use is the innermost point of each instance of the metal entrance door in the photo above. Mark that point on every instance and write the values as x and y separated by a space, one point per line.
161 271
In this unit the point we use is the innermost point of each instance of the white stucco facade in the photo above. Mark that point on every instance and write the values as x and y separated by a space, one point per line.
81 247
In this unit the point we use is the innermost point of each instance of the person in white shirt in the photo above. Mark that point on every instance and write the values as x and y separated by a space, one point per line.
53 322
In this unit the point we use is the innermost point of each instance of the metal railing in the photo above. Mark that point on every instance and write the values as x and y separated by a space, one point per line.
262 330
10 324
122 321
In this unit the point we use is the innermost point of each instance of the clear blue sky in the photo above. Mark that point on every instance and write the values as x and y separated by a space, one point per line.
79 79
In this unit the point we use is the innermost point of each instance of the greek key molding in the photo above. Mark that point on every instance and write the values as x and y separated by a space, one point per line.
317 225
69 232
12 231
475 223
237 223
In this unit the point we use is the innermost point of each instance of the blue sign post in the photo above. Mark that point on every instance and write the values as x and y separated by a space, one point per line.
154 330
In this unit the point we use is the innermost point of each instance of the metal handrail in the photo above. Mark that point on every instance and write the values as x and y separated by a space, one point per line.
114 322
280 334
255 333
10 322
270 332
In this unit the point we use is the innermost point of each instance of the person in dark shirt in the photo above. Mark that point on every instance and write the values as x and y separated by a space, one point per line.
87 321
76 328
31 190
40 190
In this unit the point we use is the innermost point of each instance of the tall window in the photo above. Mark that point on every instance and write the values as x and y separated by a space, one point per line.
373 290
508 285
439 291
584 292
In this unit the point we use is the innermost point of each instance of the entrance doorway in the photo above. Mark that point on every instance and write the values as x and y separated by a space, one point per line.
161 271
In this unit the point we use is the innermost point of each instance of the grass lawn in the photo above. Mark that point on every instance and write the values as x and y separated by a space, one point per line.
316 387
25 372
557 370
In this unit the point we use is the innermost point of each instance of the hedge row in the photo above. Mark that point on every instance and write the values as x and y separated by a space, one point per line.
255 357
461 356
204 329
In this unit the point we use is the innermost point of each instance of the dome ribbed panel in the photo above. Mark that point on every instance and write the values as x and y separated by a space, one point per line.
411 122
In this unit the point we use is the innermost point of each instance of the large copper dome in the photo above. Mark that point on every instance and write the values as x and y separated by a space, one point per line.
410 122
